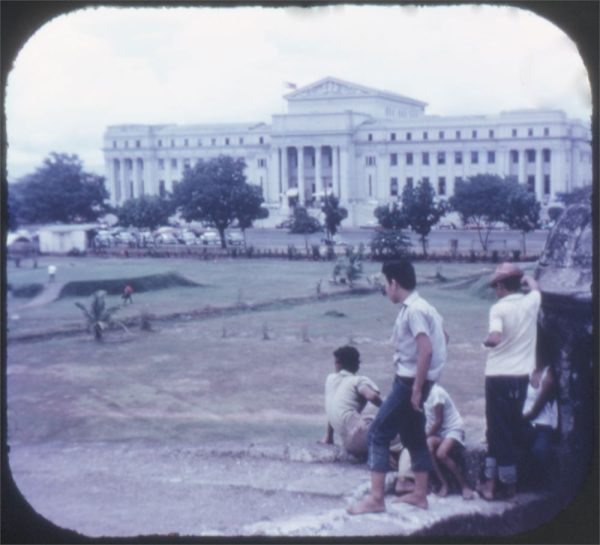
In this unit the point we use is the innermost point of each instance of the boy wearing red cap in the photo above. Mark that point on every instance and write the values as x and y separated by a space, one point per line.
512 342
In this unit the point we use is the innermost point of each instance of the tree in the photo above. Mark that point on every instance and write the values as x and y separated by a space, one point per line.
13 211
146 212
421 210
249 206
391 216
61 191
304 224
578 195
522 210
334 214
481 199
214 191
350 266
99 317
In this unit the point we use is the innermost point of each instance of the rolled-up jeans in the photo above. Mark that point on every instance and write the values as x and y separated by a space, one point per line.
397 416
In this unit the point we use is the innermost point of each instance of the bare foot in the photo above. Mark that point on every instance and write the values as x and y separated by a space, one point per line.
417 500
443 491
487 489
467 493
368 505
403 487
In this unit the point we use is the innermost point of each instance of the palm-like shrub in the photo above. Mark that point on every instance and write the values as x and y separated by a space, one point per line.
98 316
350 266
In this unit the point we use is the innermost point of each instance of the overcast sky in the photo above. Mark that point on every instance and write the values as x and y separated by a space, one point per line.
96 67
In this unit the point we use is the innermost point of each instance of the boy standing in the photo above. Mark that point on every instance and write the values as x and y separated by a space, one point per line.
419 356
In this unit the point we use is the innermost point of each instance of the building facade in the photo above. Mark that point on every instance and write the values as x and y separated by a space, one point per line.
359 143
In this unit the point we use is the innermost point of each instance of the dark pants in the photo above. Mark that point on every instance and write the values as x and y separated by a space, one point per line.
538 458
504 399
397 416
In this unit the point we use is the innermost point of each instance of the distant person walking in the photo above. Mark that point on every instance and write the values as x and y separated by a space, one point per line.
127 294
346 397
51 273
419 356
512 342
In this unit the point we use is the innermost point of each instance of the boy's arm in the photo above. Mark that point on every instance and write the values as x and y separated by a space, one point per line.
437 423
328 439
424 353
546 394
494 337
370 395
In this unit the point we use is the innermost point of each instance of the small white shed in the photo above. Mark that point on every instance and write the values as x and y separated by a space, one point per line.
61 239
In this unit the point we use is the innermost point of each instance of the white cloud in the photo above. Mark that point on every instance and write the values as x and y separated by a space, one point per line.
95 67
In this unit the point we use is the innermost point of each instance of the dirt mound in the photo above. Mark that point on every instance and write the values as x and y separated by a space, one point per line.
114 286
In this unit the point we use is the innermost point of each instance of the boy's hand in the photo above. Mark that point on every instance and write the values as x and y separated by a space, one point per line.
415 399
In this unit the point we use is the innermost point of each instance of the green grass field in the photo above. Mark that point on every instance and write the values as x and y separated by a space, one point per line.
210 380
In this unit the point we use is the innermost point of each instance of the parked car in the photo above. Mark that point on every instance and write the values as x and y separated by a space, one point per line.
189 238
125 237
285 224
235 238
210 238
103 239
165 238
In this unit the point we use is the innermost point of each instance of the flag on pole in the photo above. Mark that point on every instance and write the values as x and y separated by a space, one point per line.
289 85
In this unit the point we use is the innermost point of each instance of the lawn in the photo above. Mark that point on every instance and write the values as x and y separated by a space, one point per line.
253 376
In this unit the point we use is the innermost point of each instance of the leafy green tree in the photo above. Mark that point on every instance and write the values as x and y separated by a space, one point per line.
146 212
213 191
522 210
391 216
481 200
389 244
555 212
99 317
61 191
304 224
578 195
334 214
421 210
349 266
249 206
13 210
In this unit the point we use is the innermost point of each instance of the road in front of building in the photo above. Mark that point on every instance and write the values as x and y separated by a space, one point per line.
439 240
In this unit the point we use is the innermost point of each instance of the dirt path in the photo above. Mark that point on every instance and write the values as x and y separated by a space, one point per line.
50 293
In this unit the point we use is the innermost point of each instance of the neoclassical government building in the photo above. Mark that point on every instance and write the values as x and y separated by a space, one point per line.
360 143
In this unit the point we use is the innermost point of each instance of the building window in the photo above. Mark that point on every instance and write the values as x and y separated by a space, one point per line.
172 143
213 141
409 158
409 136
529 132
441 135
409 181
474 157
491 157
227 141
173 163
457 135
425 136
514 156
441 185
546 131
547 184
370 160
530 155
114 143
241 140
393 136
161 188
370 137
126 143
441 158
514 132
160 143
370 185
491 133
458 158
425 158
474 133
199 141
531 183
186 143
261 140
186 164
394 187
546 155
161 164
262 163
393 159
425 179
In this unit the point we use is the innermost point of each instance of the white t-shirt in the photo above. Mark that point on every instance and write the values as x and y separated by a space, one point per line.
451 420
417 316
515 318
342 397
549 414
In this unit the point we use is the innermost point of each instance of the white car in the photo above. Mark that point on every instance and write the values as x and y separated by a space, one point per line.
235 238
189 238
210 238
